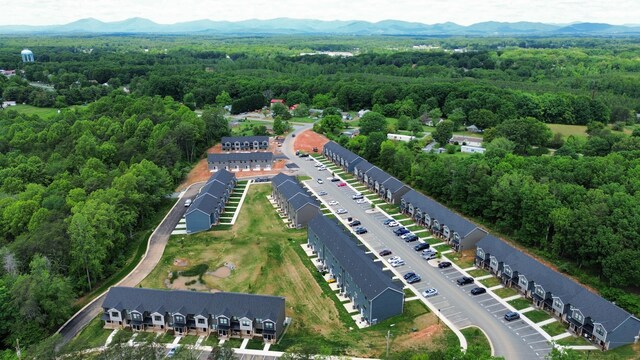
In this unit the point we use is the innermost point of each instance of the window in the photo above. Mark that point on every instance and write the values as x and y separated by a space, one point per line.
115 314
557 303
201 321
494 262
223 321
246 323
178 318
600 330
258 320
578 316
136 316
157 318
268 325
523 281
507 270
539 291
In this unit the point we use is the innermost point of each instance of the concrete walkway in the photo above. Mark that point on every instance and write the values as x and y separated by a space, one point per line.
546 322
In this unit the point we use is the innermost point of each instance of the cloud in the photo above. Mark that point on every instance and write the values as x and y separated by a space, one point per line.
464 12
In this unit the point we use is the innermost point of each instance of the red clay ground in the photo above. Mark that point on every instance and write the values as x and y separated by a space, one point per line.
308 139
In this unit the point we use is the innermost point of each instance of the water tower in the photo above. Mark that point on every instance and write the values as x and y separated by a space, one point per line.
27 55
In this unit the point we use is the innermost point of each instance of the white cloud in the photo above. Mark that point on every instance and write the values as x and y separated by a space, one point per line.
464 12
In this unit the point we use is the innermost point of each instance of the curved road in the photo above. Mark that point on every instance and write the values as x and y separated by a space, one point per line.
155 247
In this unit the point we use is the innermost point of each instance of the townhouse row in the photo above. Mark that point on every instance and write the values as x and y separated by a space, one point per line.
195 313
209 204
244 143
293 200
250 161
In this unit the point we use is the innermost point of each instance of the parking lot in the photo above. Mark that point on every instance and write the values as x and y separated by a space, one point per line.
513 340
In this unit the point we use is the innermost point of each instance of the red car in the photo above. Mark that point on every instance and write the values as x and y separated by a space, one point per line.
341 184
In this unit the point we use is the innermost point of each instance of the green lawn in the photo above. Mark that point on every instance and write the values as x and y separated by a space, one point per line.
306 120
146 336
476 339
573 340
537 315
492 281
434 240
478 272
416 228
456 258
520 304
93 335
32 110
234 342
505 292
555 328
567 130
255 344
443 247
189 340
211 340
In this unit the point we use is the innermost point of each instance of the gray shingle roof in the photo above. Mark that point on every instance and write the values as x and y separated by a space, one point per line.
249 156
222 176
363 166
290 189
211 193
392 184
368 276
591 305
341 151
377 174
299 200
280 178
205 203
439 212
193 302
242 139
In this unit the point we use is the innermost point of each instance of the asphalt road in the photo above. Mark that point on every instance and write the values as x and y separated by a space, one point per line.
512 340
157 243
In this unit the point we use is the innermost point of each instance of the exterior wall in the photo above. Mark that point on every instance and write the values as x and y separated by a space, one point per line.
197 221
306 213
387 304
470 241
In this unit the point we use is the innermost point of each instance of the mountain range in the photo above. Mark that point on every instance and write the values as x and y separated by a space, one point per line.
320 27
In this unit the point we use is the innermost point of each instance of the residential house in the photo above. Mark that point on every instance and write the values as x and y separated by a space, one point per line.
209 204
472 149
293 200
473 129
252 161
466 140
244 143
199 313
385 185
361 168
588 314
341 156
372 292
461 233
400 137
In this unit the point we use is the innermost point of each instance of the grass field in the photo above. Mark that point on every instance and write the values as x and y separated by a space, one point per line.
492 281
555 328
268 259
505 292
93 335
464 259
520 304
478 272
568 130
476 338
573 340
32 110
537 315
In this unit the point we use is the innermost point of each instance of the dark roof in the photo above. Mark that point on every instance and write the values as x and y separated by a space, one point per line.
591 305
205 203
222 176
243 138
392 184
280 178
368 276
299 200
440 212
363 165
193 302
211 193
260 155
377 174
341 151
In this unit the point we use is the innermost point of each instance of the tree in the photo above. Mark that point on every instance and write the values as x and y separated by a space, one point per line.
216 126
259 130
223 99
280 126
279 110
499 148
88 253
403 122
302 110
372 145
524 132
189 101
443 132
435 114
373 122
329 124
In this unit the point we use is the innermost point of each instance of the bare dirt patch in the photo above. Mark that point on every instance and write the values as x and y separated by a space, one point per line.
221 272
181 262
308 139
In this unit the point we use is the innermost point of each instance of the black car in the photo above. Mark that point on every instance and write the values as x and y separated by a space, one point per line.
444 264
386 222
478 291
400 231
304 155
411 238
421 246
385 252
409 275
464 280
355 223
334 179
361 231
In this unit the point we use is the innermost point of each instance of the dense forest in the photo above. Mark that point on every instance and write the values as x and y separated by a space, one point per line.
75 187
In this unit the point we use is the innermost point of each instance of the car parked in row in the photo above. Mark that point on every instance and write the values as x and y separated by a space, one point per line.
361 230
410 237
334 179
341 211
408 275
320 181
414 279
430 292
392 223
357 196
385 252
361 201
342 184
464 280
478 291
322 193
421 246
400 231
387 221
398 263
444 264
511 315
355 222
333 203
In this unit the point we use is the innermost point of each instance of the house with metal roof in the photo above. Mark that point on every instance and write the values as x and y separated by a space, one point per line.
209 204
250 161
372 291
341 156
191 312
293 200
588 314
461 233
244 143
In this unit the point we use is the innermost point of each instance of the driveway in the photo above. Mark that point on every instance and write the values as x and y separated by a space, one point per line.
157 243
512 340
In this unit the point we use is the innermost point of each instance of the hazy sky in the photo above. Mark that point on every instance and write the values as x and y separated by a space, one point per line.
464 12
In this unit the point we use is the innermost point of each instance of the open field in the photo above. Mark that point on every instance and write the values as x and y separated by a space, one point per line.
32 110
93 335
520 304
268 259
476 338
464 259
555 328
568 130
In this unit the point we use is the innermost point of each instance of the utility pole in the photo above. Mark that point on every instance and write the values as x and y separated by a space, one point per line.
388 337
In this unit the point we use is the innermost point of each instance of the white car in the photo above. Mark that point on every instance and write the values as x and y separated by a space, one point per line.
188 203
404 236
341 211
430 292
333 203
317 164
320 181
322 168
361 201
393 224
322 193
394 258
397 263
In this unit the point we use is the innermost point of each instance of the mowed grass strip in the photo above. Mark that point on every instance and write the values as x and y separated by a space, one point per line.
555 328
476 339
520 304
93 335
537 315
505 292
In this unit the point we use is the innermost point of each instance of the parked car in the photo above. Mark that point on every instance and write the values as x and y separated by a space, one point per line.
293 135
430 292
404 236
394 258
188 202
315 149
465 280
414 279
317 164
409 275
421 246
393 223
411 238
341 211
429 251
429 256
333 203
385 252
361 230
478 291
355 223
334 179
511 315
357 196
320 181
400 231
387 222
341 184
322 168
444 264
398 263
361 201
322 193
304 155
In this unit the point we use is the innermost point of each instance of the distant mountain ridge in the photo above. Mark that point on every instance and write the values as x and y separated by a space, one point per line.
338 27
